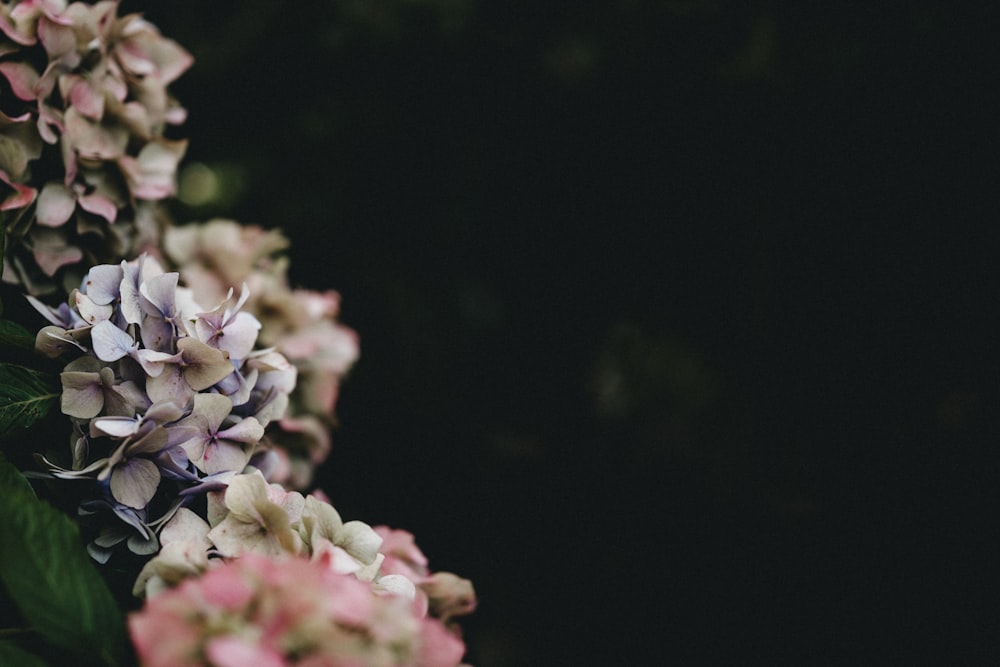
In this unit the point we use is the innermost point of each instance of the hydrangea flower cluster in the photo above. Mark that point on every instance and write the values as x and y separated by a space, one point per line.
161 389
343 592
199 386
84 159
220 255
171 400
286 611
251 516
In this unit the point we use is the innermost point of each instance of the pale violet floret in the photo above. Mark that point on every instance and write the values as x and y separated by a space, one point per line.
166 395
229 329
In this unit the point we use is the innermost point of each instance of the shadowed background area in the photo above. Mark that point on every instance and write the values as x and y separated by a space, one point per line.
674 326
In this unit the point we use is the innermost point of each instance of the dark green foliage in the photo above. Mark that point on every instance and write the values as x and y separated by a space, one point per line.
26 396
10 654
13 335
47 574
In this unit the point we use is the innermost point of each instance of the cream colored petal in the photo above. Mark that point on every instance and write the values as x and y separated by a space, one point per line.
358 539
233 537
185 526
395 584
245 494
320 520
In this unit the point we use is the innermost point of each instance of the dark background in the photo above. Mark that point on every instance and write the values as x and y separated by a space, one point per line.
675 316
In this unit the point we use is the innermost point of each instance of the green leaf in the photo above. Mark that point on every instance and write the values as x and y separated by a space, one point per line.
3 250
11 654
12 481
14 335
47 573
26 396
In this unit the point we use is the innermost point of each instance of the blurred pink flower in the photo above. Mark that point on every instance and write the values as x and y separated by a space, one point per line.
83 133
285 611
443 594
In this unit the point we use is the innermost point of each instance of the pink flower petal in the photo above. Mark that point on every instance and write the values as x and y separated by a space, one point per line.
51 251
86 99
152 174
228 651
99 205
21 197
438 647
14 34
22 77
92 139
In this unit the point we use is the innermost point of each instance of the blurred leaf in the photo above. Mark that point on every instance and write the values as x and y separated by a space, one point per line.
46 571
26 396
14 335
12 482
3 251
10 654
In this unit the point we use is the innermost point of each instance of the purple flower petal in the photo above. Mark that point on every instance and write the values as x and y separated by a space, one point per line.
151 443
248 431
221 456
110 342
129 290
169 386
103 283
159 292
134 483
153 362
82 395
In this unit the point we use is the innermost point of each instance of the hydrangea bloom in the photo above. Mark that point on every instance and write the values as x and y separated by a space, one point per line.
200 396
83 93
221 255
249 515
285 611
160 389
